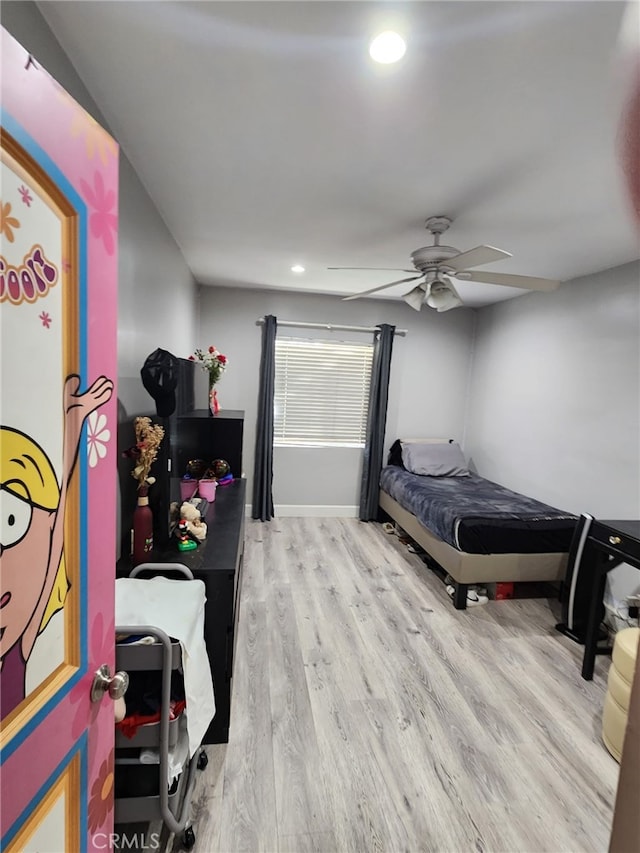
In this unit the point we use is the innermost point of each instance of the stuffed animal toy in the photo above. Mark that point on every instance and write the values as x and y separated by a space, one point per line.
196 527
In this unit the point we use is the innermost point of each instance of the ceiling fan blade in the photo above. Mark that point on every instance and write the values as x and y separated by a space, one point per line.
415 298
476 257
388 269
525 281
382 287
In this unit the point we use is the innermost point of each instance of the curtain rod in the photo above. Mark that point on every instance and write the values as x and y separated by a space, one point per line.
330 327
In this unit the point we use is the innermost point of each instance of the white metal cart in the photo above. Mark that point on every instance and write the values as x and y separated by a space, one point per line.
142 789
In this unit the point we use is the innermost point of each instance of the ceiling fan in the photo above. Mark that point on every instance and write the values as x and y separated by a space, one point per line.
439 266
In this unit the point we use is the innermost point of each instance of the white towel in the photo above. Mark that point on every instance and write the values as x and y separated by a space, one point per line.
178 754
177 608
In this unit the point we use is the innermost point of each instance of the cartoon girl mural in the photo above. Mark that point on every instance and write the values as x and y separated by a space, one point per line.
33 579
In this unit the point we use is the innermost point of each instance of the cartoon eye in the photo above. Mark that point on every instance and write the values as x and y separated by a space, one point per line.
15 518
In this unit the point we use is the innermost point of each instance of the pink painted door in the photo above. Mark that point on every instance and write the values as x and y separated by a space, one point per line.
58 287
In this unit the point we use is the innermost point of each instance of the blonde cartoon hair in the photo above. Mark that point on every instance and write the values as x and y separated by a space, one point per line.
25 470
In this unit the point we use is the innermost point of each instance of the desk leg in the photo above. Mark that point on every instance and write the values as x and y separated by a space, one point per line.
595 562
460 596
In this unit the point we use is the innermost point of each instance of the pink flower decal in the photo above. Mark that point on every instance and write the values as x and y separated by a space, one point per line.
26 196
101 800
46 319
103 220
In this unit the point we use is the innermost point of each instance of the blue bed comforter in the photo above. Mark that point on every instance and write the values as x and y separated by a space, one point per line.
478 516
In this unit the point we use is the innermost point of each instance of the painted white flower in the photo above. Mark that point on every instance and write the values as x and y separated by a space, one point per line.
97 437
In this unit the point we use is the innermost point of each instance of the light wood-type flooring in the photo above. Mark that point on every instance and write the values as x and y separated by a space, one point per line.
369 715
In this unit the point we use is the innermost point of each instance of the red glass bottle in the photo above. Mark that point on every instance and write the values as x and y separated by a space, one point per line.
142 528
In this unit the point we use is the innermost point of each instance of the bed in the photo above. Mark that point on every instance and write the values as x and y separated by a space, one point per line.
476 530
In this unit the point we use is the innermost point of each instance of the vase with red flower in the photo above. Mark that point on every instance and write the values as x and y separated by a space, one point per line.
215 363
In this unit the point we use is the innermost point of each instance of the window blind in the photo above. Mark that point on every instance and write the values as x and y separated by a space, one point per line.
321 392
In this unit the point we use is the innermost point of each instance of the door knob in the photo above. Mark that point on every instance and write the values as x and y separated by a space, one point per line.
103 682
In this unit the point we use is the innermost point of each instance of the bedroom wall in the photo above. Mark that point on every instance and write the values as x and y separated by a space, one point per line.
427 389
554 403
157 295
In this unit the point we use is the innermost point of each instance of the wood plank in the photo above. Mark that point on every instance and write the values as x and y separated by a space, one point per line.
308 842
253 562
247 820
300 791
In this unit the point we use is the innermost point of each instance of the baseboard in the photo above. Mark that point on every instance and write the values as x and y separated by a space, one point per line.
304 511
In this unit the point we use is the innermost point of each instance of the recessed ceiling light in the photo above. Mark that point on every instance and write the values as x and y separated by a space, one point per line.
297 268
387 47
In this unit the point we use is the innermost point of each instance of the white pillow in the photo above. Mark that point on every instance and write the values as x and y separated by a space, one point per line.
434 459
425 440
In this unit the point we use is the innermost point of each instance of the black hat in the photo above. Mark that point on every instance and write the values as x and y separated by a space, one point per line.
160 377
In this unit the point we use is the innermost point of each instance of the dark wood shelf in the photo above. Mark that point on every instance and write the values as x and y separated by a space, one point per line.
200 435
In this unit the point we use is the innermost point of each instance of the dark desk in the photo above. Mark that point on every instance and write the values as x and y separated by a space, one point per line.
218 563
608 544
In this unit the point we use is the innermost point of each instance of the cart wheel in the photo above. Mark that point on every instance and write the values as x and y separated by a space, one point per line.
203 760
188 838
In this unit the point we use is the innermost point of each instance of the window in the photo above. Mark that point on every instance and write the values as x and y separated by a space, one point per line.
321 392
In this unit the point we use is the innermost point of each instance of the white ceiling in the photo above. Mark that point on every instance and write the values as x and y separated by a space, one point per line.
267 137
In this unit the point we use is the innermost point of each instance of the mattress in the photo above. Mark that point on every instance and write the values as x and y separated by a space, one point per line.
478 516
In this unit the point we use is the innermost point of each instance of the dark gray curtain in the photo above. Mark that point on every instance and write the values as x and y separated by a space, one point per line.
376 422
263 465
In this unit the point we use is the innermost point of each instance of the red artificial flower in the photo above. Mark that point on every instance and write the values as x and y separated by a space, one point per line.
212 349
191 358
222 359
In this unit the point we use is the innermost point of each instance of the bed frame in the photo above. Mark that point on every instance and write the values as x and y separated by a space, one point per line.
466 568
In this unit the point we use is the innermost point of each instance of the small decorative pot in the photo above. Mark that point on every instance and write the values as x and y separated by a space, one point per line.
188 488
207 489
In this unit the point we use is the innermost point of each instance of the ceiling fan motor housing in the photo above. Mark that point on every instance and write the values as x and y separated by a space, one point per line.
431 257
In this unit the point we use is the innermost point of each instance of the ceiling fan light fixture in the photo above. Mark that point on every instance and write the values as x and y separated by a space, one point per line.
443 297
415 297
387 47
